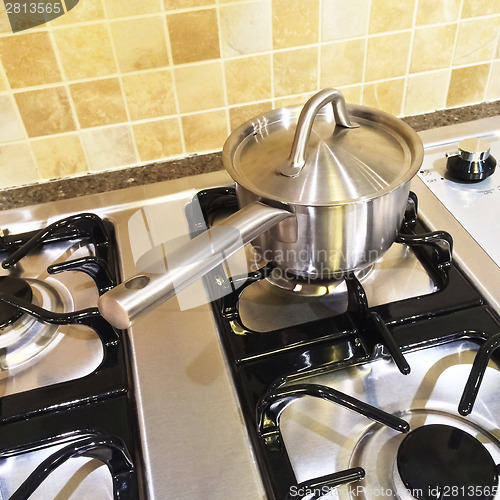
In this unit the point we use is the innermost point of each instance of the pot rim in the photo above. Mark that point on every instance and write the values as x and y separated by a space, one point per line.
289 115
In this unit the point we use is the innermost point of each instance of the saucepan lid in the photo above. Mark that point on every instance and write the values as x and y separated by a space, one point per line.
323 154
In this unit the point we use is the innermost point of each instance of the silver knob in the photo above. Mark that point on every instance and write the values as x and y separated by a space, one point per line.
474 150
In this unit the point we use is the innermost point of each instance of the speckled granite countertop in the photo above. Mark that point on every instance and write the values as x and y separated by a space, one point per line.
136 176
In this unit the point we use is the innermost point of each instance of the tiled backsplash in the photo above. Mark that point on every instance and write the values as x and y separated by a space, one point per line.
115 83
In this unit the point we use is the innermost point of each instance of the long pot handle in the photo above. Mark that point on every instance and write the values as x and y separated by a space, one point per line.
121 305
297 158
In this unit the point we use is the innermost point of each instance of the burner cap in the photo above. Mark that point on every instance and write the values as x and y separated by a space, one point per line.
17 287
309 287
439 461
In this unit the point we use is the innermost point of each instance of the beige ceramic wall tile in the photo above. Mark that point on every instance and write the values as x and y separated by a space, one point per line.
46 111
474 8
241 114
108 148
199 87
476 40
391 15
293 101
295 23
467 85
98 102
386 96
29 59
60 156
248 79
493 91
342 63
140 43
84 11
341 19
119 8
149 94
85 51
4 22
433 48
295 71
387 56
3 85
11 127
194 36
246 28
3 78
432 12
185 4
352 94
158 140
17 166
204 131
426 92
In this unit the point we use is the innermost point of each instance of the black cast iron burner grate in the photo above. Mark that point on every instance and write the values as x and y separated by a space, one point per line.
98 420
264 364
104 430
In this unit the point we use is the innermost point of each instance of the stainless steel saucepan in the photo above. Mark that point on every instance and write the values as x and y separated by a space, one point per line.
321 193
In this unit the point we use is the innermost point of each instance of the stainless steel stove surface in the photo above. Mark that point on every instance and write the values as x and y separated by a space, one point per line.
214 396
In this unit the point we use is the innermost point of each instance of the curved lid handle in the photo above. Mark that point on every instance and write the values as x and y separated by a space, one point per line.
297 160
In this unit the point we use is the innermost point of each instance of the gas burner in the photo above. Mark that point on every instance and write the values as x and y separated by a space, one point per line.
444 456
17 287
27 337
440 461
398 274
309 287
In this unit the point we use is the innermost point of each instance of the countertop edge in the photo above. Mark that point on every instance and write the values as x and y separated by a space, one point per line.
93 183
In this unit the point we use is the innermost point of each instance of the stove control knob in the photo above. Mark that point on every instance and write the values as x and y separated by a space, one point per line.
474 149
472 163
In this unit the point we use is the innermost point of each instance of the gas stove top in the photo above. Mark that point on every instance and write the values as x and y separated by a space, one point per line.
248 395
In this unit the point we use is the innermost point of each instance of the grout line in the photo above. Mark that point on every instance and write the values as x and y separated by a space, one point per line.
318 68
320 35
365 56
408 61
232 106
63 82
490 73
72 106
8 91
455 41
120 83
223 71
118 73
172 76
220 108
63 26
271 56
58 27
487 84
160 118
